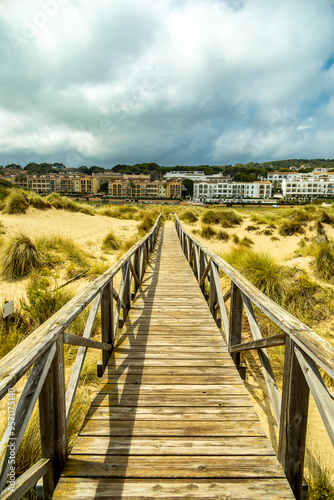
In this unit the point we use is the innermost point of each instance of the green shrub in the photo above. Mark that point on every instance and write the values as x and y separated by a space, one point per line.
15 203
110 242
21 257
41 302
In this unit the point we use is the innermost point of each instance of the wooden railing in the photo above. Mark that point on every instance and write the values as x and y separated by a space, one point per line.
43 353
304 352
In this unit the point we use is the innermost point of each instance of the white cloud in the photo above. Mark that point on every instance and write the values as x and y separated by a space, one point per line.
175 81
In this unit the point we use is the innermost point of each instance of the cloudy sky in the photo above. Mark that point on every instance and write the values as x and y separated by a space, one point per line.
177 82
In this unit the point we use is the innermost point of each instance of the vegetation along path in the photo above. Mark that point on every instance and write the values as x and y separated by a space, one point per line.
171 418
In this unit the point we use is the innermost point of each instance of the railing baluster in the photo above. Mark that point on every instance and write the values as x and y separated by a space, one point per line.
52 412
213 292
235 321
107 324
292 436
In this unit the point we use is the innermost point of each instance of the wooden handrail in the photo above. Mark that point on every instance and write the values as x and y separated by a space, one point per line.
14 365
44 350
317 348
304 350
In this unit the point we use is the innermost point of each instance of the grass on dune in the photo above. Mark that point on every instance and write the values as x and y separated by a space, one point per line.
15 203
323 257
57 249
223 217
189 215
21 257
110 242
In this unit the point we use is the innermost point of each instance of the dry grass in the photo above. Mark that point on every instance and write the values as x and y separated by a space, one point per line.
15 203
21 257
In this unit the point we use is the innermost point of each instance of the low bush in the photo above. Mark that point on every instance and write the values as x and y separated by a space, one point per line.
42 302
236 239
290 227
246 242
21 257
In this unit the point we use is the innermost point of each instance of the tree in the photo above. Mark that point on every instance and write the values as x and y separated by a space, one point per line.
188 186
104 186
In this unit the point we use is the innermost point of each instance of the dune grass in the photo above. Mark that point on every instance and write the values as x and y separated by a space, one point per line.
58 249
189 215
265 272
223 217
15 203
21 257
110 242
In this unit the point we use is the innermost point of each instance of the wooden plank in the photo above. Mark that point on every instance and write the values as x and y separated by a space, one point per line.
180 400
26 481
173 428
173 467
107 321
208 489
275 340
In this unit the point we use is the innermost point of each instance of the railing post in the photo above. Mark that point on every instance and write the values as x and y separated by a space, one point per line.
136 266
213 293
107 321
292 437
127 293
201 267
52 415
235 321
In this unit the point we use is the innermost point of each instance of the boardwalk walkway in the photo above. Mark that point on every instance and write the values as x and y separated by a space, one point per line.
171 418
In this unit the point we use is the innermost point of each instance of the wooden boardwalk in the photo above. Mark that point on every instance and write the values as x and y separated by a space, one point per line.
172 418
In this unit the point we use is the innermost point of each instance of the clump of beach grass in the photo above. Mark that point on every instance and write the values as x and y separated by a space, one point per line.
110 242
207 231
38 202
267 274
222 235
15 203
58 249
189 216
225 218
21 257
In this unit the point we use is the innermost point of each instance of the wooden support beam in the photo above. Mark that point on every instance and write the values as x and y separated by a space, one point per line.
221 304
52 414
235 321
205 273
107 321
134 274
292 436
227 295
81 341
267 370
27 480
213 290
14 433
116 297
273 341
80 358
320 393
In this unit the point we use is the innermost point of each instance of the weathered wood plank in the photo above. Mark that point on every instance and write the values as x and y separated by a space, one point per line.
84 342
237 489
275 340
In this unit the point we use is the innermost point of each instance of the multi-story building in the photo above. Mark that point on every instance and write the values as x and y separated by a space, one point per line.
58 183
215 190
309 186
140 187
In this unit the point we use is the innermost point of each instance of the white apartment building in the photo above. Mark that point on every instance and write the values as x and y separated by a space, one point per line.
311 186
215 190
